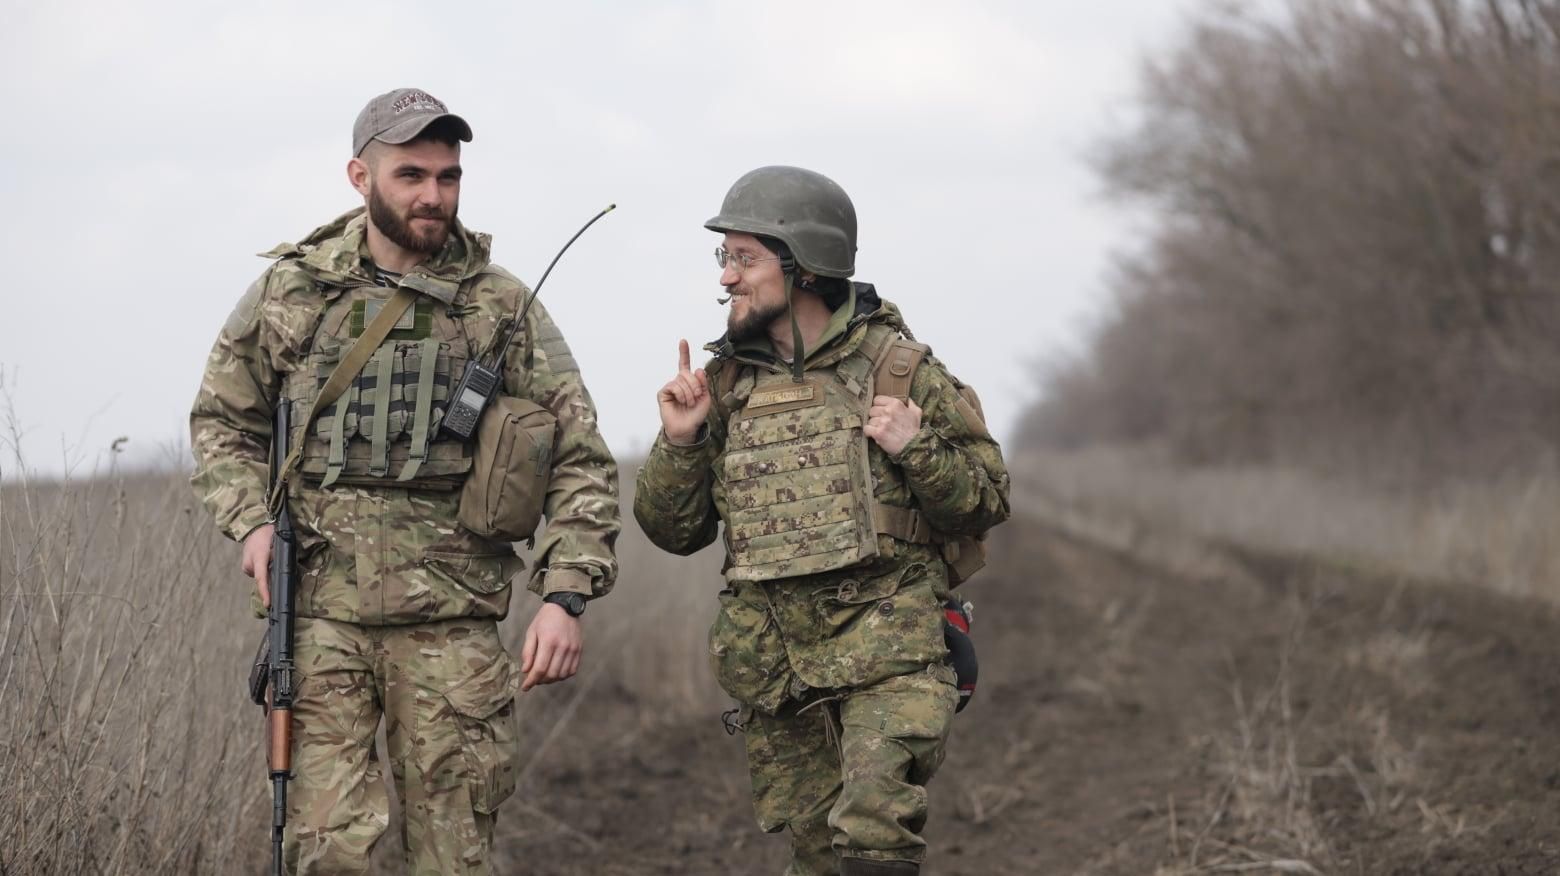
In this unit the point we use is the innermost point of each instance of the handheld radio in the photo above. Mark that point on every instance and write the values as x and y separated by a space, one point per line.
481 381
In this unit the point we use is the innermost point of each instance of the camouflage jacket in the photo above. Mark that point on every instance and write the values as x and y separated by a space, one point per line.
852 627
381 555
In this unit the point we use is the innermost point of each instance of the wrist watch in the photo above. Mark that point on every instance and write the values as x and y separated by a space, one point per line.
573 603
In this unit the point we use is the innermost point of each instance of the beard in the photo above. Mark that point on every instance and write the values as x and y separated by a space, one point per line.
755 323
400 231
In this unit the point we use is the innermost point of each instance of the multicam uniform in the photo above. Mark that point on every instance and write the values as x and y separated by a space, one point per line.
397 605
830 629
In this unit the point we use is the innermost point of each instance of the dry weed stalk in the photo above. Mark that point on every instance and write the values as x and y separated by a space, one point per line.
128 745
1266 796
122 748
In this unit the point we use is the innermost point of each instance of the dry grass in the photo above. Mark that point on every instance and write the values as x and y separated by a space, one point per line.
1495 535
125 732
1260 809
128 745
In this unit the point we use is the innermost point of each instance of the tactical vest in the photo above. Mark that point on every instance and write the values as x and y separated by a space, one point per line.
384 429
798 487
799 490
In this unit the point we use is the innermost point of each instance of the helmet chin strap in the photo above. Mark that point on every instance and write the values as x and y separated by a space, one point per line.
798 354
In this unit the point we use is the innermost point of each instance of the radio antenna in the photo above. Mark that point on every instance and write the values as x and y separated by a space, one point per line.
508 339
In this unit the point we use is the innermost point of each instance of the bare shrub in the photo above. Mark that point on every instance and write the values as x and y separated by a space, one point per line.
126 737
1358 229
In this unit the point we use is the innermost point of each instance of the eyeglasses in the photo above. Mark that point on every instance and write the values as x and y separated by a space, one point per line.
743 260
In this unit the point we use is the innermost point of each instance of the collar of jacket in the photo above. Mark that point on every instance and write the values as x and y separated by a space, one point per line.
336 253
839 339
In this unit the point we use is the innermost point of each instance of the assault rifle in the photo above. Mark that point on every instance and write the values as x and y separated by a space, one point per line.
271 680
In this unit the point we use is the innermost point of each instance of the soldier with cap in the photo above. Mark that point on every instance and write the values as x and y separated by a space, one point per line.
853 475
398 603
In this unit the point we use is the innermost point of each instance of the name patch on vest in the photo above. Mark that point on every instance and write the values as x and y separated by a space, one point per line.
782 395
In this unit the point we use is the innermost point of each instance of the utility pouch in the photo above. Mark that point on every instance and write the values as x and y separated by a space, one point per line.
965 556
511 459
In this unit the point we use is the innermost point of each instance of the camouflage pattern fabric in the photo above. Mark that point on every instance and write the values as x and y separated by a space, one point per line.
446 691
396 603
777 645
796 478
376 554
847 777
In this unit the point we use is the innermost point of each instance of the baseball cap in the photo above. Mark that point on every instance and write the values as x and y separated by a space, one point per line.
399 116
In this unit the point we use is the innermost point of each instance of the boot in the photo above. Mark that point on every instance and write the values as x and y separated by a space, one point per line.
869 867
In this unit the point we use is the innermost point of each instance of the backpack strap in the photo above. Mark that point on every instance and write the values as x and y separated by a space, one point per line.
723 387
893 370
893 367
894 360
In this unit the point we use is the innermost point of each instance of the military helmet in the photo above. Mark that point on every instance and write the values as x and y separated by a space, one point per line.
807 211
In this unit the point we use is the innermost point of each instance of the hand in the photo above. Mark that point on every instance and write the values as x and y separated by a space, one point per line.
892 423
257 559
553 643
684 400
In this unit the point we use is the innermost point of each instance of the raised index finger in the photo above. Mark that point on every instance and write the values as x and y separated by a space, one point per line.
683 363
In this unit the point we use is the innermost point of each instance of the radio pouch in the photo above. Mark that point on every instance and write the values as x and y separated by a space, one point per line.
504 491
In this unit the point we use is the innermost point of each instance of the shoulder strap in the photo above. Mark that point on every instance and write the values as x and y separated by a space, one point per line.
894 367
723 385
362 350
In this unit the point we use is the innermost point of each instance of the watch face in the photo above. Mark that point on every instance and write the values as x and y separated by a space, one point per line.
573 603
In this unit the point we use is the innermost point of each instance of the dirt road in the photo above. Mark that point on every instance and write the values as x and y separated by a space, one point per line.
1273 717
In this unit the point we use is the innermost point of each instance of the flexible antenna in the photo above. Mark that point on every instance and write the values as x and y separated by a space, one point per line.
499 357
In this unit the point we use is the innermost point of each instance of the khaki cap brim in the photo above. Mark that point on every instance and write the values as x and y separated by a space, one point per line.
408 130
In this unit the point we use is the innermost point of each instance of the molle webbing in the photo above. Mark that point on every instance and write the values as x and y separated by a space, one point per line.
798 483
379 461
338 429
428 353
373 335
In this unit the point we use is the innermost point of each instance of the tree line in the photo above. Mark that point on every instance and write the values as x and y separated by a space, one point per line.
1354 247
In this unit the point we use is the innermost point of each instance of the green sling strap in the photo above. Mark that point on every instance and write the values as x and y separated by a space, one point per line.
373 335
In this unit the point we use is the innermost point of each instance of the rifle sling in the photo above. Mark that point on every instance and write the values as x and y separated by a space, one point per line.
351 365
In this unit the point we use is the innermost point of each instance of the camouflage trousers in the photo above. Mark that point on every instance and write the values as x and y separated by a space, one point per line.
847 774
446 693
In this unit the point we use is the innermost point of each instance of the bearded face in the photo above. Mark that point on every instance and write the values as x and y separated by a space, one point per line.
417 228
757 291
753 318
412 191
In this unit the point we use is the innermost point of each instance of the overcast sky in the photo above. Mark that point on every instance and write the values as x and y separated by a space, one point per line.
150 149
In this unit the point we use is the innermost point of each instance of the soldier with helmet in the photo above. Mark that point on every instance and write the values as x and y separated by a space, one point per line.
398 598
854 477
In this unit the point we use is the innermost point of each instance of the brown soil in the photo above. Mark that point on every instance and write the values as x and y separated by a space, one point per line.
1135 721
